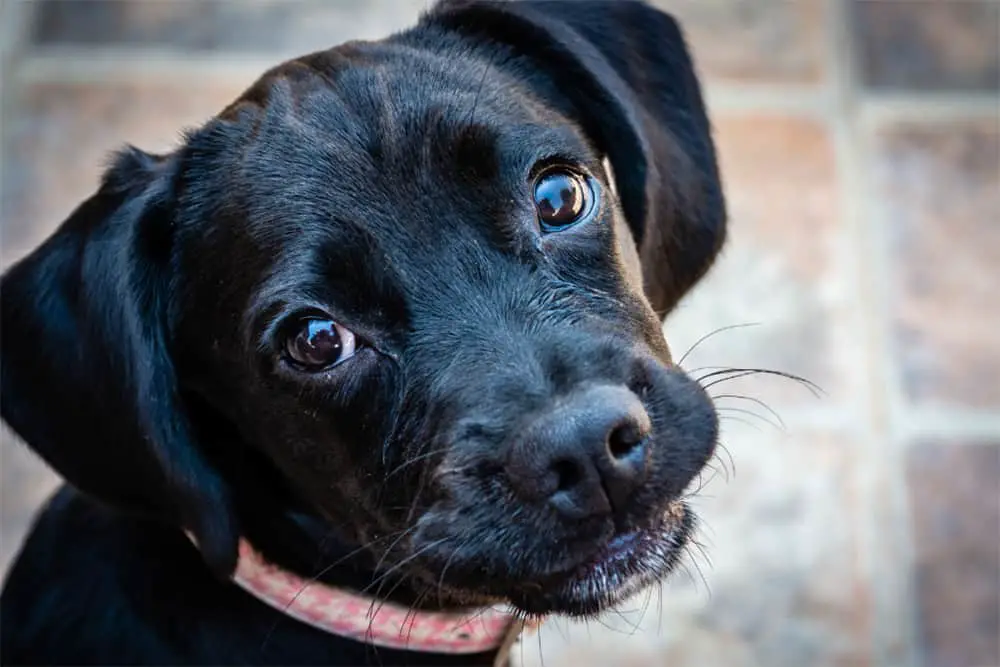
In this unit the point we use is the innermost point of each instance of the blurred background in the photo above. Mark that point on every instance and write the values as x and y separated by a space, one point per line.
860 148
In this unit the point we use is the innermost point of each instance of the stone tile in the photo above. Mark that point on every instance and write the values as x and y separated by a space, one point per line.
753 41
287 27
742 40
780 582
782 267
954 494
102 22
940 189
25 483
920 45
61 136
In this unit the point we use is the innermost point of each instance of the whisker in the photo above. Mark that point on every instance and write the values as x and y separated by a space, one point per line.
444 570
717 457
402 534
744 411
382 599
396 567
702 482
742 421
607 627
412 620
704 553
634 626
316 577
645 606
659 610
421 482
381 560
759 402
686 569
713 333
734 373
700 573
415 459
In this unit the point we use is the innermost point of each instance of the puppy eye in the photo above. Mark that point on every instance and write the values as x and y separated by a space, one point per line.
562 198
316 343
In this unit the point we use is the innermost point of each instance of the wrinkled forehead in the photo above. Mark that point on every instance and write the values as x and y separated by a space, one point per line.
396 154
390 126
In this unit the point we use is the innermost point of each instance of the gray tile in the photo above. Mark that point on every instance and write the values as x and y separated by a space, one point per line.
285 27
939 185
920 45
778 41
954 493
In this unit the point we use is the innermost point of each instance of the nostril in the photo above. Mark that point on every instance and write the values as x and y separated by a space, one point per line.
567 474
625 439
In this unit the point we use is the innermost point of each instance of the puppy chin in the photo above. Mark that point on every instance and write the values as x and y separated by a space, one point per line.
627 564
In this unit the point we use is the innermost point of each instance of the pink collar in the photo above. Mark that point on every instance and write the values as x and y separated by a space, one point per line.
365 619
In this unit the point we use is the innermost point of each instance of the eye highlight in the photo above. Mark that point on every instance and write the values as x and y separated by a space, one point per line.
314 343
562 198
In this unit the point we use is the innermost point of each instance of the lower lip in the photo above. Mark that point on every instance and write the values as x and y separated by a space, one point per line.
623 566
618 555
618 548
625 551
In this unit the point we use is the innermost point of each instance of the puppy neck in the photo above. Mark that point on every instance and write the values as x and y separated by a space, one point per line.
281 564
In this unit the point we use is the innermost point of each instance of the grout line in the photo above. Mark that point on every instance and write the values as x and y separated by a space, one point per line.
885 543
123 65
102 65
958 427
129 64
962 426
17 17
796 100
881 108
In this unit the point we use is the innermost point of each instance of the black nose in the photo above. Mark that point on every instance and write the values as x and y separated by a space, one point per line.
585 456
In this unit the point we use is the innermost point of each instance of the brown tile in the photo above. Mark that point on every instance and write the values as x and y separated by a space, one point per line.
749 40
786 583
940 186
25 483
781 267
288 27
99 22
920 45
61 135
954 494
780 582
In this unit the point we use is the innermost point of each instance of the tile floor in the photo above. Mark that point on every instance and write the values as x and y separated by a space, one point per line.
860 145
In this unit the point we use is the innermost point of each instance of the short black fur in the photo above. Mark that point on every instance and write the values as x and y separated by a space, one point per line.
386 184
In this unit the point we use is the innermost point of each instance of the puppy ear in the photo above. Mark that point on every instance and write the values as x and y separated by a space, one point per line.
87 377
622 70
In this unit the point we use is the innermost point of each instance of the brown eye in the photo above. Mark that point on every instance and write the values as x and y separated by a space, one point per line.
562 198
318 343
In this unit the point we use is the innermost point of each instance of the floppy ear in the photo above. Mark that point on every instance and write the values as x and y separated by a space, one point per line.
622 69
87 379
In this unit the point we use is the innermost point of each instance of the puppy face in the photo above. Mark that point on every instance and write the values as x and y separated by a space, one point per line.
400 273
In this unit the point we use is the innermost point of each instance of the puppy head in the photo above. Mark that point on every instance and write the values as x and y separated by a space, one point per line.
400 274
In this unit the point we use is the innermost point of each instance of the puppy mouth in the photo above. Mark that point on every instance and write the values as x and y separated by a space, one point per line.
626 564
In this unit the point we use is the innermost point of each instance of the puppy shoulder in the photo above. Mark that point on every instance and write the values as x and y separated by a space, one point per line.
70 597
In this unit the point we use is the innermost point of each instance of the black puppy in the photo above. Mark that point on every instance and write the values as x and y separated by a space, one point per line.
386 322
